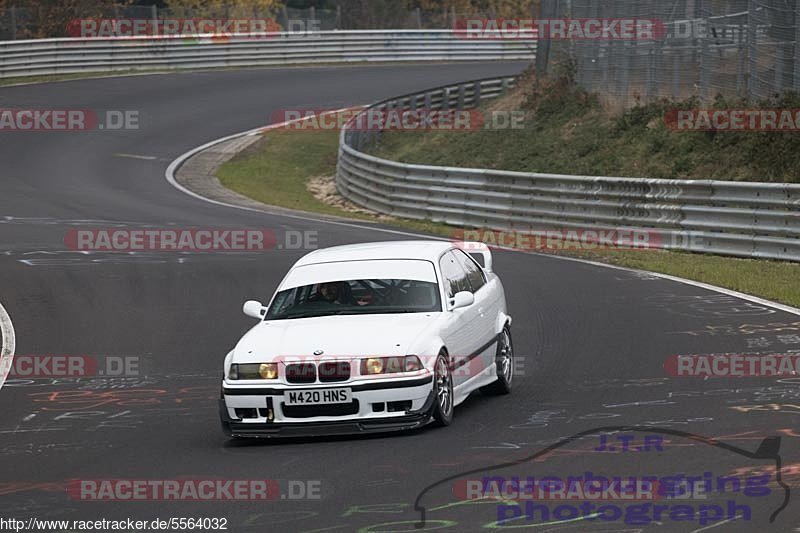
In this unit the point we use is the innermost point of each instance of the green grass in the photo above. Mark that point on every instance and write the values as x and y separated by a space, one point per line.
276 169
774 280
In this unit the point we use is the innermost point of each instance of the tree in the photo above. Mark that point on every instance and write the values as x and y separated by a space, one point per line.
40 19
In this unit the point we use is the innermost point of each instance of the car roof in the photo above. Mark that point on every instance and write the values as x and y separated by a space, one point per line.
415 250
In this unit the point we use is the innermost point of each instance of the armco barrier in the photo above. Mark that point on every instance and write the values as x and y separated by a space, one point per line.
720 217
76 55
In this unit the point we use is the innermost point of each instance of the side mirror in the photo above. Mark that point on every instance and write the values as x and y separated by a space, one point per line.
461 300
254 309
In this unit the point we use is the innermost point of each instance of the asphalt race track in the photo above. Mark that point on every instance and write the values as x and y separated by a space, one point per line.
591 342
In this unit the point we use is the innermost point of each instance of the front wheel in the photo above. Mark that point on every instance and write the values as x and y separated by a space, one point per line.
443 391
505 365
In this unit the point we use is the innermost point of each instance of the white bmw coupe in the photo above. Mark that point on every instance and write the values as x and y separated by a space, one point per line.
369 338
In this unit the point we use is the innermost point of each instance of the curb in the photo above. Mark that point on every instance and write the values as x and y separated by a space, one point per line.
8 344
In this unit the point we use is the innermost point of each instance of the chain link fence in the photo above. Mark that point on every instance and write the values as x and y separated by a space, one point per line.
734 48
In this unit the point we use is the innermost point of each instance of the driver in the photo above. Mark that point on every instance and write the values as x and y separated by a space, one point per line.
333 292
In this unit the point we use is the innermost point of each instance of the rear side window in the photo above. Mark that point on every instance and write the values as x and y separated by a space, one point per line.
453 274
475 275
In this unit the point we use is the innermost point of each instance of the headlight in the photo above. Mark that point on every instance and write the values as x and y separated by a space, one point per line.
371 366
412 363
268 371
253 371
390 365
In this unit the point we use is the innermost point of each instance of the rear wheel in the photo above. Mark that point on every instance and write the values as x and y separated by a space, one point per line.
505 365
443 391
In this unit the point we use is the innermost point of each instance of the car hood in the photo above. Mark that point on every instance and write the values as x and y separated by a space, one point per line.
376 335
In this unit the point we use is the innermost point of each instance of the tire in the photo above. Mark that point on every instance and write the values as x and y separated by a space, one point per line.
442 409
505 365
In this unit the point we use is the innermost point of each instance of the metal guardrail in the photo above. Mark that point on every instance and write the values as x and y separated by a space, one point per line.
728 218
69 56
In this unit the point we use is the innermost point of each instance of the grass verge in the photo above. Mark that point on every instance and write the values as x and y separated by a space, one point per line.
568 131
277 169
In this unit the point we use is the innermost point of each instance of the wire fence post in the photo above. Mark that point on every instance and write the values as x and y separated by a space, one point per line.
549 8
13 22
741 69
154 17
797 46
752 58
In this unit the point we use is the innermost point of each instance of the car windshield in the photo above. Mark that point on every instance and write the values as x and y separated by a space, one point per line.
356 297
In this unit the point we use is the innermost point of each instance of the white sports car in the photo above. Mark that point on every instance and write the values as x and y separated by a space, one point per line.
370 337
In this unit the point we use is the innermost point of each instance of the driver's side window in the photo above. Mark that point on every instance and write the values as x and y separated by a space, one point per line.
454 277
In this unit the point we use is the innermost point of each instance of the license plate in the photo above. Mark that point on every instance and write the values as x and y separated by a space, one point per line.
317 397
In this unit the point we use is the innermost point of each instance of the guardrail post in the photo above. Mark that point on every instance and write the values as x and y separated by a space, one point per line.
338 16
477 93
428 101
445 99
461 92
418 13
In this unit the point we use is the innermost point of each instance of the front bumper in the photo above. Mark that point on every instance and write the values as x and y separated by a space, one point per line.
417 393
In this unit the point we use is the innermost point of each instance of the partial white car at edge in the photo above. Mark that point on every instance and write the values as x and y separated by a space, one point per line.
369 338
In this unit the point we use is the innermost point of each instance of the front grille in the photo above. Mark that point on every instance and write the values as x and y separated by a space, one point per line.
308 411
333 372
303 373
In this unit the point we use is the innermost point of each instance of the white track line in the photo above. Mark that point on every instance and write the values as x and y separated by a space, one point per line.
8 346
175 165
